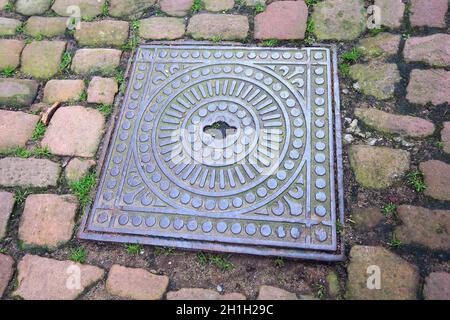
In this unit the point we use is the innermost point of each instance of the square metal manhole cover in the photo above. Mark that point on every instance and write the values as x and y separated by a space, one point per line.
227 149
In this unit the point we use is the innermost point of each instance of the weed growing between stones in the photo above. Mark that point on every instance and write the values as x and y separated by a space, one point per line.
309 35
375 31
22 153
9 6
83 96
106 109
349 57
120 79
39 37
65 62
270 43
311 2
82 188
202 258
133 248
320 291
135 25
20 195
8 72
389 209
39 131
394 242
158 12
105 9
20 28
279 262
260 7
41 152
197 6
415 180
222 263
78 255
163 251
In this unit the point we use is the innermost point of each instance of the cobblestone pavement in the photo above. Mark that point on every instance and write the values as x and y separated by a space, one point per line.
59 88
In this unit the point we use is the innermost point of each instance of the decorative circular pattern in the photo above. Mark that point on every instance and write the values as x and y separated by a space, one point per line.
209 138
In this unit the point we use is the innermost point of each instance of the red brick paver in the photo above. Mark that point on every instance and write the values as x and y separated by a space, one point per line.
48 219
136 284
282 20
48 279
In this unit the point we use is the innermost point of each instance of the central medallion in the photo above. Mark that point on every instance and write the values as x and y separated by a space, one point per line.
224 148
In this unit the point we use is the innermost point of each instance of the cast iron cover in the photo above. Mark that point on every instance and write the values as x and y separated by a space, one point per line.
233 149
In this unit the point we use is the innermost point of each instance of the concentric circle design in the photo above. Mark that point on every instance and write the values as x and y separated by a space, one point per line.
238 169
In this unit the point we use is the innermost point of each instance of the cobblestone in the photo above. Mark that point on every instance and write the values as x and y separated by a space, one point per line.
17 92
433 50
159 28
429 86
399 279
436 176
218 26
10 51
91 61
38 173
16 128
48 220
424 227
45 26
102 90
378 167
428 13
47 279
137 284
63 91
282 20
6 208
74 131
41 59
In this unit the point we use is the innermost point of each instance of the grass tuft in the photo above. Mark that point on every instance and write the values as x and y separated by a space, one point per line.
260 7
78 255
41 152
197 6
415 180
389 209
20 195
270 43
132 43
39 131
65 62
311 2
351 56
82 188
135 25
394 242
133 248
22 153
222 263
106 109
163 251
279 262
320 291
8 71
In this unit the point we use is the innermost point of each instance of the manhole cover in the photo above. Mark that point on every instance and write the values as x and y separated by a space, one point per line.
228 149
